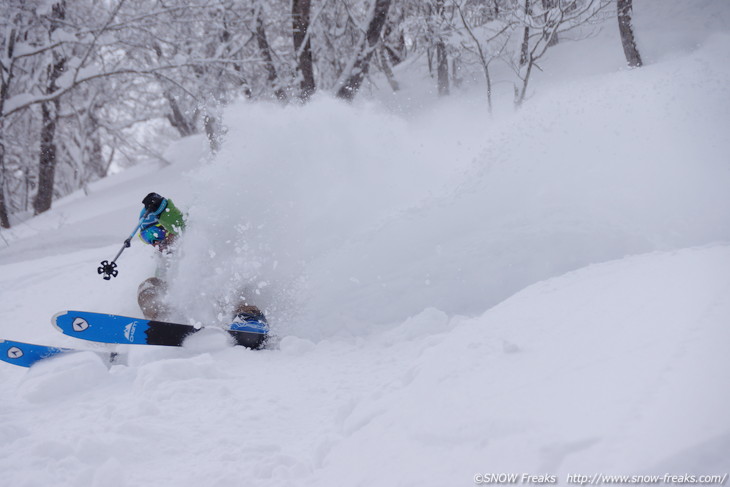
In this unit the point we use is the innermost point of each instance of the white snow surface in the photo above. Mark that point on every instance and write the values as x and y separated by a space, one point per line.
543 292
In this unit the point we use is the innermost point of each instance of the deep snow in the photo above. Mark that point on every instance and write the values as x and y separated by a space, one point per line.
543 292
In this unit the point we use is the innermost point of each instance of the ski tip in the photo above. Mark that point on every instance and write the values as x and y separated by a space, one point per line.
54 319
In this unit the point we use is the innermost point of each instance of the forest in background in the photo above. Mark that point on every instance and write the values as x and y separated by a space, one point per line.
87 85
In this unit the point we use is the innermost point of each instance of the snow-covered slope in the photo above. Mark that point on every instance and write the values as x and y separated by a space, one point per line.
617 368
543 292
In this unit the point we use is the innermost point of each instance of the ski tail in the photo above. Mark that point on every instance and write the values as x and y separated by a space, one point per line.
26 354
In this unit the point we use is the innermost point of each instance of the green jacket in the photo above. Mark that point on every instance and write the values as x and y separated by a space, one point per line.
172 218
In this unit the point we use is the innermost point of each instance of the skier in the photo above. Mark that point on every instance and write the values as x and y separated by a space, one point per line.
161 225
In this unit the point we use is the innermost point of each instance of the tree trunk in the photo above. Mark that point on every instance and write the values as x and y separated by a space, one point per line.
456 70
4 219
522 92
263 43
442 58
355 76
4 86
96 153
177 118
383 56
394 42
442 68
524 50
49 123
628 42
547 5
47 163
93 153
303 46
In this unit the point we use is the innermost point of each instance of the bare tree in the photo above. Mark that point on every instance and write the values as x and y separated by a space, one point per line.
185 125
485 51
442 59
548 6
624 9
50 114
387 70
303 46
4 218
6 74
354 74
541 27
266 53
525 46
394 41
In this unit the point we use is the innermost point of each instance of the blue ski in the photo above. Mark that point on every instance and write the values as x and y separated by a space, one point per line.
26 354
109 328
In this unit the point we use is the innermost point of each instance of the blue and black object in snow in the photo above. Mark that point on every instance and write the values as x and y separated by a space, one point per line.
109 328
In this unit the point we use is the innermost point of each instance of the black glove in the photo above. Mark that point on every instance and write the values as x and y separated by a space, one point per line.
152 202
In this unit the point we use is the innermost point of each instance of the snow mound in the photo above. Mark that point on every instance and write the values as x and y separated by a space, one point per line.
63 376
607 358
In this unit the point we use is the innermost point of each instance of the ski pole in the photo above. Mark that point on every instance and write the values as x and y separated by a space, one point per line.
109 268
